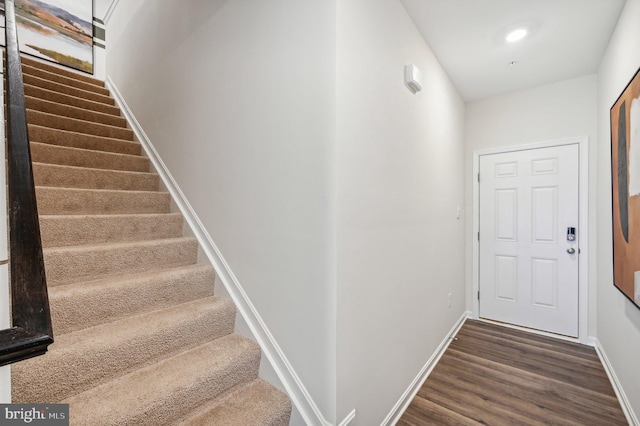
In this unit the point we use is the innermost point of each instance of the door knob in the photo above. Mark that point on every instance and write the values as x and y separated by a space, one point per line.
571 250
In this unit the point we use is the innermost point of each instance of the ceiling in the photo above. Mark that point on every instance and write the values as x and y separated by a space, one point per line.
566 39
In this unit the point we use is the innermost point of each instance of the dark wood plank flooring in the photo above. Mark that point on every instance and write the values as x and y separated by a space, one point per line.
495 375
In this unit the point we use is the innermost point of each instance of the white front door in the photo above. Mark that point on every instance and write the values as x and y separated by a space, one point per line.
528 266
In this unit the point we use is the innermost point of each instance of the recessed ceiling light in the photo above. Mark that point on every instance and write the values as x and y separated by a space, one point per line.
516 35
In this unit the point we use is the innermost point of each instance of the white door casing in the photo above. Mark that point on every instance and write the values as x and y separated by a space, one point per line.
527 200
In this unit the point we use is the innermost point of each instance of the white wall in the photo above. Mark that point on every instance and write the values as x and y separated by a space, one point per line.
238 97
399 179
330 189
618 318
556 111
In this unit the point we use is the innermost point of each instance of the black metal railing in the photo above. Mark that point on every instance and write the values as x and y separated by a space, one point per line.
31 331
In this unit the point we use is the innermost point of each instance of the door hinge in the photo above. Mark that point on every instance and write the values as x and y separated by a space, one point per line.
478 177
478 294
478 235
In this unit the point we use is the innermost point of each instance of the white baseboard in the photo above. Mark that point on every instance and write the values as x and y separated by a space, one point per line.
617 386
401 406
290 380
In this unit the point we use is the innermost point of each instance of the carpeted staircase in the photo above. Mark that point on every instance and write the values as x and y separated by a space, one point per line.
140 339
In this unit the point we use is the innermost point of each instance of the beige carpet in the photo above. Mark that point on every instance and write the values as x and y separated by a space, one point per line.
140 338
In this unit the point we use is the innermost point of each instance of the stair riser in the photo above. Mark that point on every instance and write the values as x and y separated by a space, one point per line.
61 98
83 264
67 90
62 201
53 154
71 177
78 140
26 60
60 231
74 112
132 348
216 375
84 305
56 78
74 125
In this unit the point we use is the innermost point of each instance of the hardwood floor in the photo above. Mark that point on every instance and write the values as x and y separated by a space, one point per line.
494 375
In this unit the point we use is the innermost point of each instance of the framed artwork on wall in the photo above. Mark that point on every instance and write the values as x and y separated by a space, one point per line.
60 31
625 180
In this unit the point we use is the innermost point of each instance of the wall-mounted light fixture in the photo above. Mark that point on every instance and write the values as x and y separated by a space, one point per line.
413 78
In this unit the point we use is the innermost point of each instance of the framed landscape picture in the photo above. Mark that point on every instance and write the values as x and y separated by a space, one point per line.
60 31
625 179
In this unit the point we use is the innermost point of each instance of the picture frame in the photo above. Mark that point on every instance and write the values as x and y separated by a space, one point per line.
59 31
625 189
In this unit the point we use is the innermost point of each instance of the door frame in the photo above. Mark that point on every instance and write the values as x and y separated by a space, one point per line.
583 208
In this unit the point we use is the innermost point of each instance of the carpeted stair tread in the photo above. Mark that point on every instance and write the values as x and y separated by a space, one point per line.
56 137
256 403
71 111
66 265
90 303
65 99
73 230
80 157
140 338
79 360
63 79
53 200
90 178
30 61
67 90
170 389
53 121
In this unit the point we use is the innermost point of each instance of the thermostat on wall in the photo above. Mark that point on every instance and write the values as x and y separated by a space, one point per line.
413 78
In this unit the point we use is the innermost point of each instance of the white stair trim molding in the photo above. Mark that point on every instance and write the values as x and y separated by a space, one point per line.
292 383
109 11
348 419
403 403
615 383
